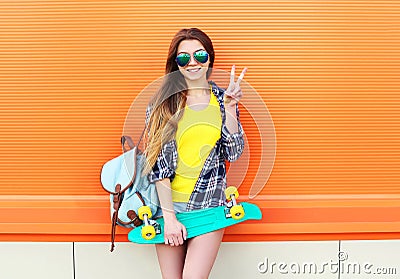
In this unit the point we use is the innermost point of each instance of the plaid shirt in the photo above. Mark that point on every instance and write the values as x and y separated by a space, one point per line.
210 186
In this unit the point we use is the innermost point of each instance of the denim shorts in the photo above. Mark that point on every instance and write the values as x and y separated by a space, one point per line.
178 208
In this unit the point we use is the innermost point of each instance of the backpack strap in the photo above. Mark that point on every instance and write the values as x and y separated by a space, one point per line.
130 142
117 198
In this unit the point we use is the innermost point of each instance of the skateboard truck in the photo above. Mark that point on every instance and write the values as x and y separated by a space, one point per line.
236 210
148 230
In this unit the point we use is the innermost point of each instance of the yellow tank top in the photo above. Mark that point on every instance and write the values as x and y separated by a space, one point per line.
196 136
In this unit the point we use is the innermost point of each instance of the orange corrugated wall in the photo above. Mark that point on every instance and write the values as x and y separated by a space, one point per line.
327 70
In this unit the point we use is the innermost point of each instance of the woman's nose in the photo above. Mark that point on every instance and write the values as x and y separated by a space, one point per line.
192 61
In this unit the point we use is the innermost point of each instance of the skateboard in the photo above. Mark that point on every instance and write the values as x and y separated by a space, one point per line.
197 222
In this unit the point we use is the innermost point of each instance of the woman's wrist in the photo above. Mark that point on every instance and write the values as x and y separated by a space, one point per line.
169 215
231 113
230 108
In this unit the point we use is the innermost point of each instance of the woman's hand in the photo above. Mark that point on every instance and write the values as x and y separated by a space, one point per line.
233 93
174 231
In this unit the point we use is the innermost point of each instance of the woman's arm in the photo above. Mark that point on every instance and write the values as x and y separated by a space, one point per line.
231 119
232 136
232 133
174 232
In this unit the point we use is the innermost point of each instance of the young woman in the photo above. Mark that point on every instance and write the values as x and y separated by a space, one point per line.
193 129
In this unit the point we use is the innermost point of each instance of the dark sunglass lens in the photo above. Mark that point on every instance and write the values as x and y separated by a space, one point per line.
201 56
183 59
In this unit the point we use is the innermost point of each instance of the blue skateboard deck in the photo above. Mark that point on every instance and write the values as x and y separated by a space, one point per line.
198 222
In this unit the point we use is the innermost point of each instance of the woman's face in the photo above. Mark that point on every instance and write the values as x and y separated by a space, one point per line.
194 70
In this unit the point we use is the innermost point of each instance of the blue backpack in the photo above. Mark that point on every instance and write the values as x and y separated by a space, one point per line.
122 178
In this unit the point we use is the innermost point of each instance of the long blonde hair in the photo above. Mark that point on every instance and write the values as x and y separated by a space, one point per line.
168 103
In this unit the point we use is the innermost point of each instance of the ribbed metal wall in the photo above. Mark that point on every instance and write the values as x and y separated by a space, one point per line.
327 70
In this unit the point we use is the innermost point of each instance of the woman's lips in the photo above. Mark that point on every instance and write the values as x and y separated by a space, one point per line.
193 70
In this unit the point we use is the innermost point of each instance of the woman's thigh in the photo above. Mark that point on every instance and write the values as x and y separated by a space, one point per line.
171 260
201 254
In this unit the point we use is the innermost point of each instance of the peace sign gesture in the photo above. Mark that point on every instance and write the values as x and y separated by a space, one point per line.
233 93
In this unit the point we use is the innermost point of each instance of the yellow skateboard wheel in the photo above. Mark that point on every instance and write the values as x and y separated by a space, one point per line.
231 190
237 212
144 210
148 232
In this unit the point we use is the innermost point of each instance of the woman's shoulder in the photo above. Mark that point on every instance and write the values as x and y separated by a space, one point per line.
149 109
218 91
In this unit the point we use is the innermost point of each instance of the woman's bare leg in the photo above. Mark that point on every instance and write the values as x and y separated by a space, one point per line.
201 254
171 260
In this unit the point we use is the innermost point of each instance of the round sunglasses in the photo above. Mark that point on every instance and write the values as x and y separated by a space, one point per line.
183 58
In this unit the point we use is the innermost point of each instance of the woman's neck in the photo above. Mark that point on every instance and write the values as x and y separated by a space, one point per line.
197 88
